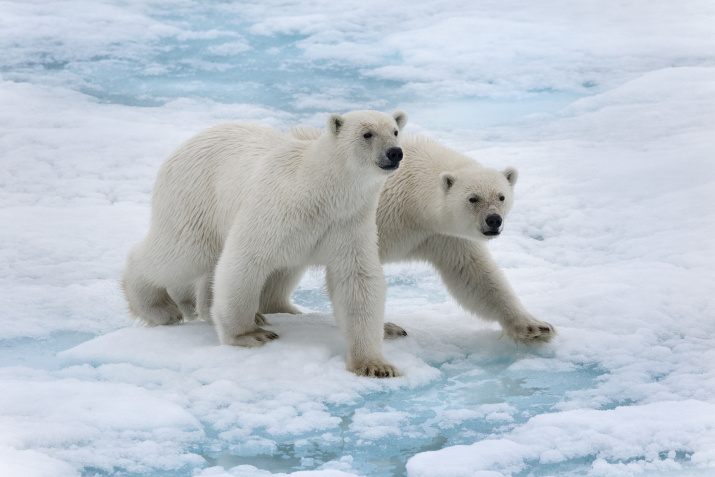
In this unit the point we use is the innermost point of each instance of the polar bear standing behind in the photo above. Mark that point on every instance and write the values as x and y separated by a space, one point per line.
442 207
239 212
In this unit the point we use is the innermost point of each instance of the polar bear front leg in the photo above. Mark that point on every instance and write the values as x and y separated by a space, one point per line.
204 299
356 286
238 280
476 282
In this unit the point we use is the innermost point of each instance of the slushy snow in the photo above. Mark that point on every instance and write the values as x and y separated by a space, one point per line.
605 109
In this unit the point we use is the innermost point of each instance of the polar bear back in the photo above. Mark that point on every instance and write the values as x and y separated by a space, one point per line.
205 182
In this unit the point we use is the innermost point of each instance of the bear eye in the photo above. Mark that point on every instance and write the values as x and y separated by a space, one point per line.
501 197
474 199
367 135
395 133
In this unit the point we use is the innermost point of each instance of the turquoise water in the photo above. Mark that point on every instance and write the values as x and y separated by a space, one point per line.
221 60
512 397
426 428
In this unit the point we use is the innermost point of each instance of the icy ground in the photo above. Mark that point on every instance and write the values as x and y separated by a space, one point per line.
608 111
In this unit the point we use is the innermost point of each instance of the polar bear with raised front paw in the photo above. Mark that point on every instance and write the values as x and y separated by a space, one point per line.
240 211
442 207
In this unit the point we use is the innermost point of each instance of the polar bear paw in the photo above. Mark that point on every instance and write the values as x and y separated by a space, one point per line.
392 331
377 369
253 339
531 331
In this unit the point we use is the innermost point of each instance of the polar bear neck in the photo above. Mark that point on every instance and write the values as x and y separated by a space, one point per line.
413 199
419 194
335 159
344 185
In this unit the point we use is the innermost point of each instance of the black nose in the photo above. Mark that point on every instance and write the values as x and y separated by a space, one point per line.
494 221
394 154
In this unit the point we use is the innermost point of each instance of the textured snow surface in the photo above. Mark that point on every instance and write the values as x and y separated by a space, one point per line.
608 112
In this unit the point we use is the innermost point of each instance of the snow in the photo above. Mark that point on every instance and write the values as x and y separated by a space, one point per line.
607 112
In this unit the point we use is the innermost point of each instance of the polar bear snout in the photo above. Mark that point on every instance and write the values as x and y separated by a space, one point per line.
392 159
494 223
394 154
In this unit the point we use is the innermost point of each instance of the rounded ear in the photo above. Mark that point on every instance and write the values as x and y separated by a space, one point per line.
335 122
446 179
401 118
511 175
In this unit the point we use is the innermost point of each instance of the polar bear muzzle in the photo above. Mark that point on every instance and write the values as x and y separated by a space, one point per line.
391 160
494 223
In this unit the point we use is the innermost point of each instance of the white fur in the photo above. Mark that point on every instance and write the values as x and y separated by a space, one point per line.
424 214
239 212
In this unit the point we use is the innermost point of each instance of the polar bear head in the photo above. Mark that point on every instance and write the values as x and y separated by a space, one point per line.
477 200
369 138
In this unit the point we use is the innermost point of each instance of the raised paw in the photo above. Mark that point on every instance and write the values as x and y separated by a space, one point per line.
531 331
392 331
261 320
375 370
253 339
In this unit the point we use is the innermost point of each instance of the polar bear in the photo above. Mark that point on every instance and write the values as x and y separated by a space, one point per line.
441 207
239 212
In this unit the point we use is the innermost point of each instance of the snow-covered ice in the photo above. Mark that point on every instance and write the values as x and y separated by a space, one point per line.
608 111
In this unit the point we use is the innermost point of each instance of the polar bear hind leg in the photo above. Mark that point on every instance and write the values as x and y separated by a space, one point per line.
148 301
185 299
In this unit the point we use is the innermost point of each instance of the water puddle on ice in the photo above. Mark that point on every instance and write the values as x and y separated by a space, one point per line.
40 353
284 459
381 434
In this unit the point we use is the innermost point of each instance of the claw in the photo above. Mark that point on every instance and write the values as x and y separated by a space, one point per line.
531 331
382 370
392 331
